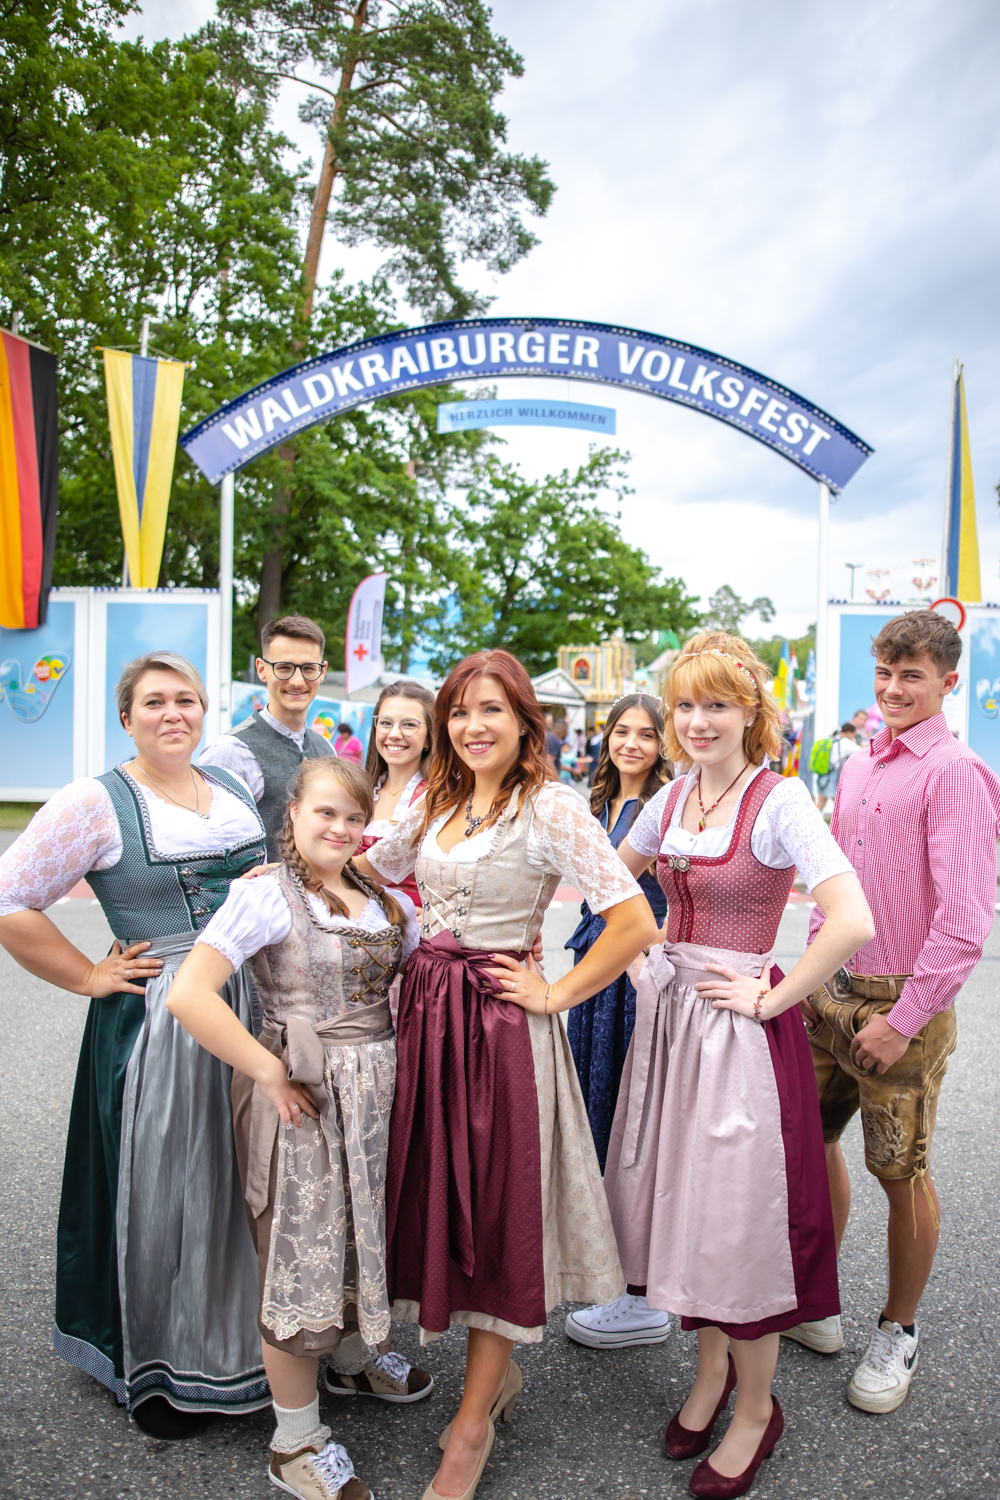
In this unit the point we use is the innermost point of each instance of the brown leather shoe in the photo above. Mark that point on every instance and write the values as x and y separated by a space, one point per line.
317 1474
389 1378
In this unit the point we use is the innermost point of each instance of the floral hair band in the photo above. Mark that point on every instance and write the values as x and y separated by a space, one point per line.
714 651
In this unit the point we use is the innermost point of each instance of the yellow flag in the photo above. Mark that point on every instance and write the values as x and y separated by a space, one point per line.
144 407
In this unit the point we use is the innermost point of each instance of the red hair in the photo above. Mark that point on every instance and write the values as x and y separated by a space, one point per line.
449 779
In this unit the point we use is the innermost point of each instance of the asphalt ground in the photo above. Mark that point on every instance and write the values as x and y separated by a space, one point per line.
589 1423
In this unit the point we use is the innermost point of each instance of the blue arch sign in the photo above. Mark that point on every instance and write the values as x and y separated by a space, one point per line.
496 347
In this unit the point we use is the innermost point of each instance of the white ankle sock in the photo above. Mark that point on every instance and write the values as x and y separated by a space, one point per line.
298 1427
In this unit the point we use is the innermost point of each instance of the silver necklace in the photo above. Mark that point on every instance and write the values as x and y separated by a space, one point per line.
471 823
194 782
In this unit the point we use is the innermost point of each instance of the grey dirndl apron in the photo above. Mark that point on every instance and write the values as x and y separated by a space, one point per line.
187 1271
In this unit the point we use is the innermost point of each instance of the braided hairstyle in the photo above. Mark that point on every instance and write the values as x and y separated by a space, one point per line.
355 782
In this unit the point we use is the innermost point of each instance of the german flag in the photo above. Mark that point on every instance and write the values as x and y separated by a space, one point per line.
29 480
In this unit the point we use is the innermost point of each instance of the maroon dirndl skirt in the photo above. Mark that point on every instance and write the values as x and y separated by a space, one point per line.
463 1185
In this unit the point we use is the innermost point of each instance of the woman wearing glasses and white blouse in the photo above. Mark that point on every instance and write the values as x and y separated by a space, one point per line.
401 742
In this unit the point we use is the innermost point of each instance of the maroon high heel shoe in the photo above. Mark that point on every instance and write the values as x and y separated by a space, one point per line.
681 1442
705 1481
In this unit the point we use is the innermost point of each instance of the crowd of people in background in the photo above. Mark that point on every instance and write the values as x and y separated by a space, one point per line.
325 1083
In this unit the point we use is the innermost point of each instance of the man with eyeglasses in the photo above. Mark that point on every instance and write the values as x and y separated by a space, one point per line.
267 749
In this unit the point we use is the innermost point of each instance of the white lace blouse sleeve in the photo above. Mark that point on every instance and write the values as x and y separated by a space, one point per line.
790 830
566 839
393 857
644 835
254 915
75 832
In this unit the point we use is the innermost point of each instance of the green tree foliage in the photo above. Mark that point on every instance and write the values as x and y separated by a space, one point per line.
727 611
403 92
769 651
543 565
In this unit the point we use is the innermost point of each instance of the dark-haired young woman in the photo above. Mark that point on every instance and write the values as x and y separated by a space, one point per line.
311 1107
401 741
631 768
495 1207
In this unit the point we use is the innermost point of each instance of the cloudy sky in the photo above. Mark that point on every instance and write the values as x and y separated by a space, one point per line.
812 190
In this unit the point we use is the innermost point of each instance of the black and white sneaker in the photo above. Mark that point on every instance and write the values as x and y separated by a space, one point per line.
882 1380
389 1377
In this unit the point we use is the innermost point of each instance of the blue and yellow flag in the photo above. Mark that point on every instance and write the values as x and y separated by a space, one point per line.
961 557
144 407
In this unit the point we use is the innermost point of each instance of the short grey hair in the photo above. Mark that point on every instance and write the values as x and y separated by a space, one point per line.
156 661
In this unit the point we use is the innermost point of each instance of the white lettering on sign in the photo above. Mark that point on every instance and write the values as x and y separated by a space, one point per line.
755 399
772 411
656 365
729 395
531 348
243 427
797 425
344 380
675 379
627 362
293 406
502 343
463 347
818 436
703 381
272 412
421 349
585 348
325 392
372 365
443 354
402 360
558 348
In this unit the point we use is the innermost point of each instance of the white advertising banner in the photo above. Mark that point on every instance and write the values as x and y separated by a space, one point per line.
363 652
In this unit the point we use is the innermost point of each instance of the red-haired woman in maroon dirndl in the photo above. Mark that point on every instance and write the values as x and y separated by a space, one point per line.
495 1207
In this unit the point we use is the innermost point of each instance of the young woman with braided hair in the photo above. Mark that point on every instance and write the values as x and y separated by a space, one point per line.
311 1107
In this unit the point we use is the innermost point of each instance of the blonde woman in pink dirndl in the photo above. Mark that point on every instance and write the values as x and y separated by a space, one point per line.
716 1173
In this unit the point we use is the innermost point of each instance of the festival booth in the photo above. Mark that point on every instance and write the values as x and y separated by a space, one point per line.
58 718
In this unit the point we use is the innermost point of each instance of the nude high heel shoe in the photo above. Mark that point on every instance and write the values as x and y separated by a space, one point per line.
430 1493
503 1405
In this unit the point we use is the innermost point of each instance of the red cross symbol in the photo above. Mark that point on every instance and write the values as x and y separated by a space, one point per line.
360 652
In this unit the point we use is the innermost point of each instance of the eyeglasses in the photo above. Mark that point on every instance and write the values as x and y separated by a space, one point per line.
311 671
406 726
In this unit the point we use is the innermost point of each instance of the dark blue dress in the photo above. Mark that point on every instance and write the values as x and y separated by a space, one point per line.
600 1029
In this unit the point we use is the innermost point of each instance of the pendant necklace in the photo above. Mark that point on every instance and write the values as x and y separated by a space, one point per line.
197 799
706 810
471 823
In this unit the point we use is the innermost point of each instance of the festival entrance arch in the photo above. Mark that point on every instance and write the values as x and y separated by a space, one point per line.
495 348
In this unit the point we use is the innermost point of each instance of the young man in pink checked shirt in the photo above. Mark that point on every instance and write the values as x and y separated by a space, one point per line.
918 817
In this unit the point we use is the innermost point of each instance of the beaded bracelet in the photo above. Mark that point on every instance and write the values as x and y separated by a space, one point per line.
756 1008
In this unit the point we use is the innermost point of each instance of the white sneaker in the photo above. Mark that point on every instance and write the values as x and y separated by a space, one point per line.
882 1379
626 1323
826 1335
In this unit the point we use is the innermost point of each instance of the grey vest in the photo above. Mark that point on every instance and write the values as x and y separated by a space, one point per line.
279 760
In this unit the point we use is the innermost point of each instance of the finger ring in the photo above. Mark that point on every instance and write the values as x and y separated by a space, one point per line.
128 973
510 986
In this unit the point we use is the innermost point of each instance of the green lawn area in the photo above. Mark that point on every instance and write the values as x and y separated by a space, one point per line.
17 814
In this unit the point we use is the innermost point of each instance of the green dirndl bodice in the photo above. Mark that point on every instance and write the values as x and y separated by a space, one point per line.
156 1278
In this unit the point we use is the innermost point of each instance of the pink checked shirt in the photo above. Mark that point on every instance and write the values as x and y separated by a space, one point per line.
918 818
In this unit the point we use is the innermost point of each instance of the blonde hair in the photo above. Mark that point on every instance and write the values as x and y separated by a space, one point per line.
357 785
716 665
155 661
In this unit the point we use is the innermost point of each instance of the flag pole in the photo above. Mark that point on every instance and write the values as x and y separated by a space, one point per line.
950 585
227 509
143 346
824 688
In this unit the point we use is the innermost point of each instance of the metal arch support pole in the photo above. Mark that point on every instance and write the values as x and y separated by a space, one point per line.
825 710
227 509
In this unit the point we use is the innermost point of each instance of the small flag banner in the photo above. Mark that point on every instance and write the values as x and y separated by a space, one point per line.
363 647
144 407
29 480
962 580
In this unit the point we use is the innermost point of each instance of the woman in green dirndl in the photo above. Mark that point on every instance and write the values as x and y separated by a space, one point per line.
156 1278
